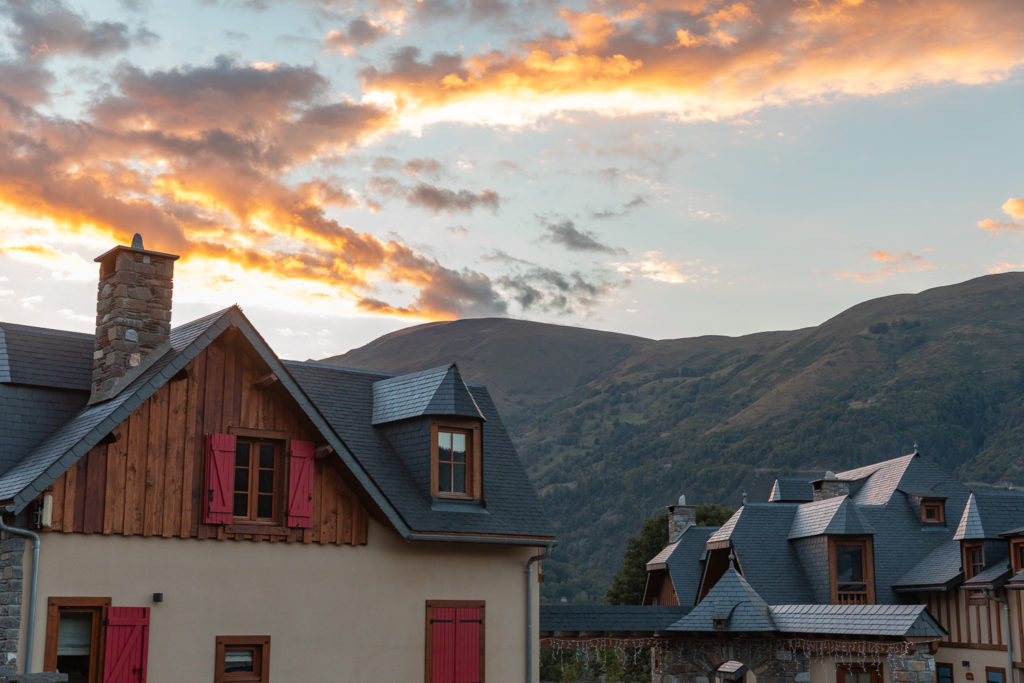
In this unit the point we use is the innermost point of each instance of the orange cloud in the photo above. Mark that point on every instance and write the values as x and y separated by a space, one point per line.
710 59
905 262
1014 208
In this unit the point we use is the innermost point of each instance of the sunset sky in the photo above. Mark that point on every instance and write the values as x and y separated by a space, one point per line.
668 169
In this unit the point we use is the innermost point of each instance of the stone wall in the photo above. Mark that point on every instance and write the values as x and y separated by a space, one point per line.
12 552
695 661
916 667
775 660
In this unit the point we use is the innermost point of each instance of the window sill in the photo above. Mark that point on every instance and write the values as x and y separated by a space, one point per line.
262 529
458 505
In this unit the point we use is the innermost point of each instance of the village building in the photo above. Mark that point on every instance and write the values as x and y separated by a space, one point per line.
179 504
894 571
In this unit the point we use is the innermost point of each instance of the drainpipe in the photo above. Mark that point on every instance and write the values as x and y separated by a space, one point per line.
529 610
1009 639
31 623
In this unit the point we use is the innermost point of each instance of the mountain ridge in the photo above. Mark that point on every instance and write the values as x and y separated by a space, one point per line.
612 427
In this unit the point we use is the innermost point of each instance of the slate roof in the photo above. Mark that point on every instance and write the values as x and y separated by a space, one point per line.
830 516
344 397
632 618
683 559
38 469
880 480
792 490
940 568
338 402
990 513
871 620
438 391
733 601
993 577
758 534
39 357
660 560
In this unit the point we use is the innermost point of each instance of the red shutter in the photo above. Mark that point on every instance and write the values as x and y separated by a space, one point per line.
300 484
467 645
455 644
220 465
127 645
442 638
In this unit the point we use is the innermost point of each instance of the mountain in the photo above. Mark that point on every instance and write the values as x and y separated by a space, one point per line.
613 427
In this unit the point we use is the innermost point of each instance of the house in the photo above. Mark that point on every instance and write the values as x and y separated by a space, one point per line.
200 510
891 571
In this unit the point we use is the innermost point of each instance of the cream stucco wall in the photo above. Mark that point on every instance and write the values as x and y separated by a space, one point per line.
977 660
333 613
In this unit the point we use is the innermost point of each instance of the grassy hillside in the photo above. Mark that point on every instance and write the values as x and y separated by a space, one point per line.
613 427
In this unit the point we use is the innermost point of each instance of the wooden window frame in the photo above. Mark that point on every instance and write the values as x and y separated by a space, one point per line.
939 506
259 644
970 570
1017 554
256 438
98 607
948 665
428 660
867 570
474 457
992 669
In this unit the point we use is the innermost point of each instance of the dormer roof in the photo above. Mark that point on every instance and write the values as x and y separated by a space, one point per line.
733 603
989 513
438 391
833 516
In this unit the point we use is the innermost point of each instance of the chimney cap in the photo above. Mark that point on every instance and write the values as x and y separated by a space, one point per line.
682 499
136 247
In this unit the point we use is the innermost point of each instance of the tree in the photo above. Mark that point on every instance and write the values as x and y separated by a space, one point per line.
628 583
713 514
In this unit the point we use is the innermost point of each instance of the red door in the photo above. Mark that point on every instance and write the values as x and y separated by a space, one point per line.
127 645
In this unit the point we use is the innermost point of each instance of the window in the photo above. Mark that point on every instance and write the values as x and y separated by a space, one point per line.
257 481
242 658
74 637
995 675
91 641
246 481
1017 554
973 559
943 673
933 511
851 567
854 673
455 641
455 459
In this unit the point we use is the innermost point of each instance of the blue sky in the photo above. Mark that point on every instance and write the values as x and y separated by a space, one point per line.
668 169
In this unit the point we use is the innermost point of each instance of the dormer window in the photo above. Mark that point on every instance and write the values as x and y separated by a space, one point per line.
1017 555
852 571
455 469
933 511
974 559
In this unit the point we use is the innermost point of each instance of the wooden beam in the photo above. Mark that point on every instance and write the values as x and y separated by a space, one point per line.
266 381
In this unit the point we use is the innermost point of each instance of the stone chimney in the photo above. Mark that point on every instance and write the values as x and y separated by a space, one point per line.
680 518
830 487
133 315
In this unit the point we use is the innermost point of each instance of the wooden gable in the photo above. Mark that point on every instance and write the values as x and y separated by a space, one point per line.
146 478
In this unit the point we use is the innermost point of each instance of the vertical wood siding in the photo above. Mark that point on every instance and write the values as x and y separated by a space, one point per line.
977 624
149 480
